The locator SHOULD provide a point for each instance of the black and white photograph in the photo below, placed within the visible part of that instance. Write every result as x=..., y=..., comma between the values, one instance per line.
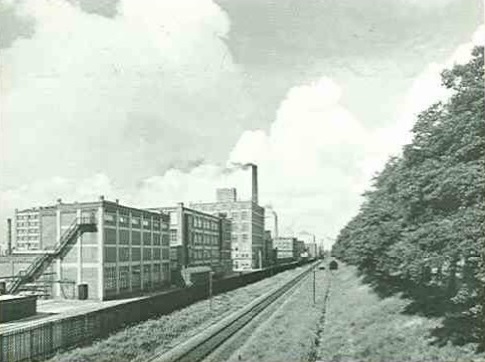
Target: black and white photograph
x=242, y=180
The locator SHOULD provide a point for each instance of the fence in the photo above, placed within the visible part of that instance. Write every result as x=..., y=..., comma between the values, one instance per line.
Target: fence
x=42, y=341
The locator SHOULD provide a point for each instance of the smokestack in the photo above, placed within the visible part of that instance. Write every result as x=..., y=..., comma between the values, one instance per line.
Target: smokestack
x=9, y=236
x=254, y=178
x=275, y=223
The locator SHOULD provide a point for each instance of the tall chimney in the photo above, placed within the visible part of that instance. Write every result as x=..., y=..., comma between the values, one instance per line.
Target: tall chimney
x=254, y=178
x=9, y=236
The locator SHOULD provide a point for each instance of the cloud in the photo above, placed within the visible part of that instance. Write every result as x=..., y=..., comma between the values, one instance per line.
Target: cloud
x=124, y=95
x=103, y=94
x=300, y=164
x=425, y=91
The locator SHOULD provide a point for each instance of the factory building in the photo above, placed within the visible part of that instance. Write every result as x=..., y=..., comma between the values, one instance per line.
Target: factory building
x=199, y=242
x=312, y=250
x=269, y=253
x=247, y=224
x=287, y=249
x=271, y=221
x=108, y=249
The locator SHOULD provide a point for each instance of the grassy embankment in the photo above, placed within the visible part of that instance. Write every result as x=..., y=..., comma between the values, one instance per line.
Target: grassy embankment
x=360, y=326
x=138, y=342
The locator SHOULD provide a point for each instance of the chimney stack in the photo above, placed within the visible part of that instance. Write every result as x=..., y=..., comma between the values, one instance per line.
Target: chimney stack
x=254, y=179
x=9, y=236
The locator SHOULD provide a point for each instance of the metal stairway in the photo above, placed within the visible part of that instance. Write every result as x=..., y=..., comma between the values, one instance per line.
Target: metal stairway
x=40, y=264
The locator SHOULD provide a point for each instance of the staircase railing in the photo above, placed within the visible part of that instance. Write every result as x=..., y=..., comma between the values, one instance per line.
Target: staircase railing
x=78, y=224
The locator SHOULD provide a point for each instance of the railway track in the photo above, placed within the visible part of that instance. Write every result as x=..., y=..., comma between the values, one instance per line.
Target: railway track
x=205, y=343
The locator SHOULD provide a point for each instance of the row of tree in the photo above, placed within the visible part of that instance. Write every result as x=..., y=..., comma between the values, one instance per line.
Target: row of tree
x=421, y=228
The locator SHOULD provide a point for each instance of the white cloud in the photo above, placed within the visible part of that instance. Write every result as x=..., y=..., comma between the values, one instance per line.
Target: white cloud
x=89, y=93
x=424, y=92
x=313, y=162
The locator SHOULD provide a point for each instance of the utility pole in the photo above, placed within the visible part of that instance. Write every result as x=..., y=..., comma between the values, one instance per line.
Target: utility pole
x=314, y=297
x=210, y=291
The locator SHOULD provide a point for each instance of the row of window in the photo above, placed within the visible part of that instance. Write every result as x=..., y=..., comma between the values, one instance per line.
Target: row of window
x=27, y=216
x=203, y=239
x=152, y=275
x=136, y=221
x=200, y=222
x=243, y=215
x=149, y=254
x=27, y=238
x=203, y=254
x=124, y=238
x=34, y=223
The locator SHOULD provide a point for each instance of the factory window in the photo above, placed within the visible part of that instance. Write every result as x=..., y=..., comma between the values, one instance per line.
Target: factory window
x=156, y=239
x=146, y=224
x=124, y=254
x=135, y=222
x=147, y=254
x=147, y=277
x=135, y=238
x=110, y=278
x=245, y=237
x=156, y=225
x=124, y=237
x=165, y=240
x=147, y=239
x=110, y=254
x=124, y=277
x=109, y=218
x=123, y=220
x=135, y=254
x=173, y=236
x=156, y=254
x=165, y=253
x=109, y=236
x=135, y=276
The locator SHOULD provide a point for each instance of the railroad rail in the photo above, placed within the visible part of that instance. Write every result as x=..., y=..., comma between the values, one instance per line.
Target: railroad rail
x=201, y=345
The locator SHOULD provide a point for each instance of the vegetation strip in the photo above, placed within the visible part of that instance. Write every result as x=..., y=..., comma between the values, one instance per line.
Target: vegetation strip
x=313, y=355
x=198, y=346
x=420, y=230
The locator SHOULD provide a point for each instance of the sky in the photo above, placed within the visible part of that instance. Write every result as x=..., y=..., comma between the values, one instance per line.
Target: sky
x=154, y=102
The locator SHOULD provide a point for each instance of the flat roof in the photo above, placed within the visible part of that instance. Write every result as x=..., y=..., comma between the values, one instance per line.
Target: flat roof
x=13, y=296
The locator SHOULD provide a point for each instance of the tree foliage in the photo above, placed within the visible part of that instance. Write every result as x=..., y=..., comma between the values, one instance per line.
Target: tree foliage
x=421, y=227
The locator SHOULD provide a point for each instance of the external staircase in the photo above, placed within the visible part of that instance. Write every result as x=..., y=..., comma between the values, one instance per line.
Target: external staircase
x=41, y=263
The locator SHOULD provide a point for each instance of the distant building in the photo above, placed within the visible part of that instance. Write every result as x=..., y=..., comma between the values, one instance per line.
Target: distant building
x=286, y=249
x=198, y=239
x=312, y=249
x=269, y=254
x=226, y=195
x=247, y=224
x=271, y=221
x=301, y=249
x=247, y=231
x=116, y=250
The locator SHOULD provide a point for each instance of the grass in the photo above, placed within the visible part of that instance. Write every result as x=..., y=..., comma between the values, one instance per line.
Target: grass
x=138, y=342
x=360, y=326
x=290, y=333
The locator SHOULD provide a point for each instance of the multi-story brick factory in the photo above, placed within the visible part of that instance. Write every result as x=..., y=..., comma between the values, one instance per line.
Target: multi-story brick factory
x=100, y=249
x=247, y=224
x=199, y=242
